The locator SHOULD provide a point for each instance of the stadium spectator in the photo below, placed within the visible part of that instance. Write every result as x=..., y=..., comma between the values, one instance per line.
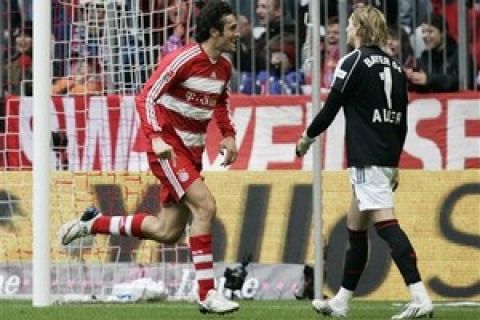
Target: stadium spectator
x=400, y=47
x=88, y=38
x=410, y=17
x=274, y=20
x=281, y=76
x=438, y=67
x=245, y=34
x=19, y=70
x=177, y=17
x=175, y=41
x=376, y=127
x=189, y=88
x=84, y=79
x=331, y=51
x=95, y=34
x=449, y=10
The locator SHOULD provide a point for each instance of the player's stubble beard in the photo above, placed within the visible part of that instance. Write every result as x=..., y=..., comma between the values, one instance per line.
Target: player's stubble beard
x=230, y=47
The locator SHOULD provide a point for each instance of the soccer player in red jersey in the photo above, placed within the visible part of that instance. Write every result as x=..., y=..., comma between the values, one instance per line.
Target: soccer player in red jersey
x=189, y=88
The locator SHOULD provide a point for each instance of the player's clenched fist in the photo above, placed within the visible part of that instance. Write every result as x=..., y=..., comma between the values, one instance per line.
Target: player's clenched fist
x=303, y=145
x=228, y=148
x=163, y=150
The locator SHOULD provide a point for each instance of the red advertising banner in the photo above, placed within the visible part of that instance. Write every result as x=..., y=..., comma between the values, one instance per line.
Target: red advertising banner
x=103, y=134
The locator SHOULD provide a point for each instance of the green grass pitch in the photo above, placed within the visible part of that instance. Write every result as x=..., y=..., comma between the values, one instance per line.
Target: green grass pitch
x=249, y=310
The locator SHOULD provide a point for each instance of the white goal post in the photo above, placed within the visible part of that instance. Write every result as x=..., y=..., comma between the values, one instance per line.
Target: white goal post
x=317, y=197
x=113, y=66
x=41, y=160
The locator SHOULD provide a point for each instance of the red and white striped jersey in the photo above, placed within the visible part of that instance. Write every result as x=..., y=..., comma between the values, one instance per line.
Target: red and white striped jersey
x=184, y=93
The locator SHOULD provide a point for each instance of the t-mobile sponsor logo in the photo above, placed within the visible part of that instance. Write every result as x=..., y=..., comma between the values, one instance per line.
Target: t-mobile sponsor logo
x=9, y=284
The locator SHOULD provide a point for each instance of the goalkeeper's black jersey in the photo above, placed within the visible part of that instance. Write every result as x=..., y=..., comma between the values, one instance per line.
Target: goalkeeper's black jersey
x=373, y=89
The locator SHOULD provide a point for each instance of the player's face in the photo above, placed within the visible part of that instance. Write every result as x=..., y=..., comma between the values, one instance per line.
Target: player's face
x=227, y=42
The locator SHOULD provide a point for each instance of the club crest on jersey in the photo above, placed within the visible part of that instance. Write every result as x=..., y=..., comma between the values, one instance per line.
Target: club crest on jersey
x=213, y=75
x=183, y=175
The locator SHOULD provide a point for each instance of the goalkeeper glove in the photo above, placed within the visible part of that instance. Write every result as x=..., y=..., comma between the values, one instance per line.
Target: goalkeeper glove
x=303, y=145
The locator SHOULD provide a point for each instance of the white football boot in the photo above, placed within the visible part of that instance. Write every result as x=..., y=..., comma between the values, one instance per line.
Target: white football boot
x=414, y=310
x=215, y=302
x=329, y=308
x=78, y=228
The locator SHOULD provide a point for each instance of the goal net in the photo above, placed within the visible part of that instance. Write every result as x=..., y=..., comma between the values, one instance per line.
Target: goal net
x=102, y=52
x=112, y=46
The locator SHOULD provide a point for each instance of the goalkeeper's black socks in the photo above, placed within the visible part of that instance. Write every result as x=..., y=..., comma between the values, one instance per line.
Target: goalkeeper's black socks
x=402, y=251
x=355, y=259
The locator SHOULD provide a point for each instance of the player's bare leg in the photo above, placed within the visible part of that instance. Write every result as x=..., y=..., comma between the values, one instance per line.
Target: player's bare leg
x=202, y=205
x=168, y=226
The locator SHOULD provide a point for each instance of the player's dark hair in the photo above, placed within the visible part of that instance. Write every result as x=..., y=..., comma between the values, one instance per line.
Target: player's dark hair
x=212, y=16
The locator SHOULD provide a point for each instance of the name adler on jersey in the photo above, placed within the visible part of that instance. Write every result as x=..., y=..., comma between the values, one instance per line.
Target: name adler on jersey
x=384, y=115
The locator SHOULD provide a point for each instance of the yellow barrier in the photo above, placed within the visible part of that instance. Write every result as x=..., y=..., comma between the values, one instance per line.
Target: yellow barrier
x=440, y=211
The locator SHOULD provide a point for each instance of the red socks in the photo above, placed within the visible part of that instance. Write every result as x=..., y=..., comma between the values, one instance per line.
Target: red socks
x=201, y=247
x=119, y=225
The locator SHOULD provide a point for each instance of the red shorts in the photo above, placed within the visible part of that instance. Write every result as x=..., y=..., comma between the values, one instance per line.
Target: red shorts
x=175, y=180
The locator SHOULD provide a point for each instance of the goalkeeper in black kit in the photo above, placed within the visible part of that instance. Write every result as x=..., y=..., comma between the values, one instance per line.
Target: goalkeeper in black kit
x=372, y=88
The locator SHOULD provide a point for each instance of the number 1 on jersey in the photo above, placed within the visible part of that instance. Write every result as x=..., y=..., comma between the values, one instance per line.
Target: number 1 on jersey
x=386, y=76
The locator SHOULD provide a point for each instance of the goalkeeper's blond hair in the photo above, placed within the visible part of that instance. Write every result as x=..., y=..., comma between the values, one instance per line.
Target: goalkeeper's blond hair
x=371, y=26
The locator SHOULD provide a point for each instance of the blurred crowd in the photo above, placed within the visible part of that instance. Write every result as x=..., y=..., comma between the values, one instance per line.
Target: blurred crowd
x=98, y=49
